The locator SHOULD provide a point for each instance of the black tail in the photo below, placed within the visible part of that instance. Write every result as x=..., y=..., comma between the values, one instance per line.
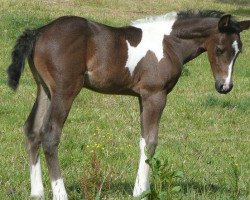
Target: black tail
x=22, y=50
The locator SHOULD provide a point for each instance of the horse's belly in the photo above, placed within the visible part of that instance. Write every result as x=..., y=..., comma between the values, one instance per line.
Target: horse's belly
x=106, y=82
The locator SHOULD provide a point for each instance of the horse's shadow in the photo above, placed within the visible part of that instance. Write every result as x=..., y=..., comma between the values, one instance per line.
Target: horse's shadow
x=241, y=12
x=126, y=188
x=199, y=188
x=237, y=2
x=242, y=105
x=123, y=188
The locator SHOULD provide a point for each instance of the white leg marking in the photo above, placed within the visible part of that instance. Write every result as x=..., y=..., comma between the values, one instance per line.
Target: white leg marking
x=153, y=31
x=58, y=189
x=142, y=179
x=37, y=190
x=228, y=80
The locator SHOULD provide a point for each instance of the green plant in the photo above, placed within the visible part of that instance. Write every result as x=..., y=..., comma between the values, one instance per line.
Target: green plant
x=96, y=180
x=163, y=178
x=236, y=177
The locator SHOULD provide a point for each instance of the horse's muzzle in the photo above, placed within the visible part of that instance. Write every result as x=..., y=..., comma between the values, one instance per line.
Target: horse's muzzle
x=223, y=88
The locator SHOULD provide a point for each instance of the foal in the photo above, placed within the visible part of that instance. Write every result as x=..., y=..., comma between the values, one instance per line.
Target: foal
x=144, y=60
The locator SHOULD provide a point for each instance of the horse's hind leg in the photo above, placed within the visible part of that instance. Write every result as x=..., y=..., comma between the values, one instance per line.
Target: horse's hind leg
x=32, y=130
x=61, y=101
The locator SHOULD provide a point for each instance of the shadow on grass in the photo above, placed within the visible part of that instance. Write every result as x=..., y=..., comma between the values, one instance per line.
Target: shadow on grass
x=199, y=188
x=75, y=188
x=235, y=2
x=191, y=186
x=244, y=10
x=123, y=188
x=242, y=105
x=241, y=12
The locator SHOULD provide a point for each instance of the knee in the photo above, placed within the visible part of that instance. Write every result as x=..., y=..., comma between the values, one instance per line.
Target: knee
x=50, y=144
x=151, y=144
x=50, y=140
x=31, y=132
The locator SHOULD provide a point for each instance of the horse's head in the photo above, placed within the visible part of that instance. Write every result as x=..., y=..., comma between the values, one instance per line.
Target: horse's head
x=223, y=47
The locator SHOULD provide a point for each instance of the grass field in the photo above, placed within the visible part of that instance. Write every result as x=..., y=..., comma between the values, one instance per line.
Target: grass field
x=204, y=134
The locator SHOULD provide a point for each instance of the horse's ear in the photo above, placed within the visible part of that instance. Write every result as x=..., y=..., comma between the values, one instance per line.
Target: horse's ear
x=244, y=25
x=224, y=23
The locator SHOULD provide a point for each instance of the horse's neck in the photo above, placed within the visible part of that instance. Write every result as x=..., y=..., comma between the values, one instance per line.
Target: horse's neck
x=185, y=50
x=189, y=36
x=191, y=49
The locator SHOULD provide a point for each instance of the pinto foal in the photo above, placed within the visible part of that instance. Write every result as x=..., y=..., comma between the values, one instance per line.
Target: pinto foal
x=144, y=60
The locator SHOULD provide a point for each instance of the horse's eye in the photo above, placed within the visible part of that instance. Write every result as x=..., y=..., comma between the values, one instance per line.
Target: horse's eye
x=218, y=51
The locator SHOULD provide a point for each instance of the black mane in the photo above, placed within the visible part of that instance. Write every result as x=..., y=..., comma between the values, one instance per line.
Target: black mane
x=199, y=14
x=191, y=14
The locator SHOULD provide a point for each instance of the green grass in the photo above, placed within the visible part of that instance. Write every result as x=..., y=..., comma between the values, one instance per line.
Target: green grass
x=204, y=134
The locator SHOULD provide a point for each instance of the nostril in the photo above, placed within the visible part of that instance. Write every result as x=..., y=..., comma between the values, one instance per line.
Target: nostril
x=221, y=87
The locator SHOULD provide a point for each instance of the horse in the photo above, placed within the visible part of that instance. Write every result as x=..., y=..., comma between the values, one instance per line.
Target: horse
x=144, y=59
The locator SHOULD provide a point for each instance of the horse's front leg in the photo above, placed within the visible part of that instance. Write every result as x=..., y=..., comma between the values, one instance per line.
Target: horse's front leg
x=151, y=107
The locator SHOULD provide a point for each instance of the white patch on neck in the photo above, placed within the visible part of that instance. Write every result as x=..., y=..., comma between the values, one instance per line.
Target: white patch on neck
x=58, y=189
x=153, y=31
x=37, y=190
x=230, y=67
x=142, y=179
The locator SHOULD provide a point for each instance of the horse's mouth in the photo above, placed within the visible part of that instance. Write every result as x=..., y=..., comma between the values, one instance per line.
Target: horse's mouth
x=223, y=88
